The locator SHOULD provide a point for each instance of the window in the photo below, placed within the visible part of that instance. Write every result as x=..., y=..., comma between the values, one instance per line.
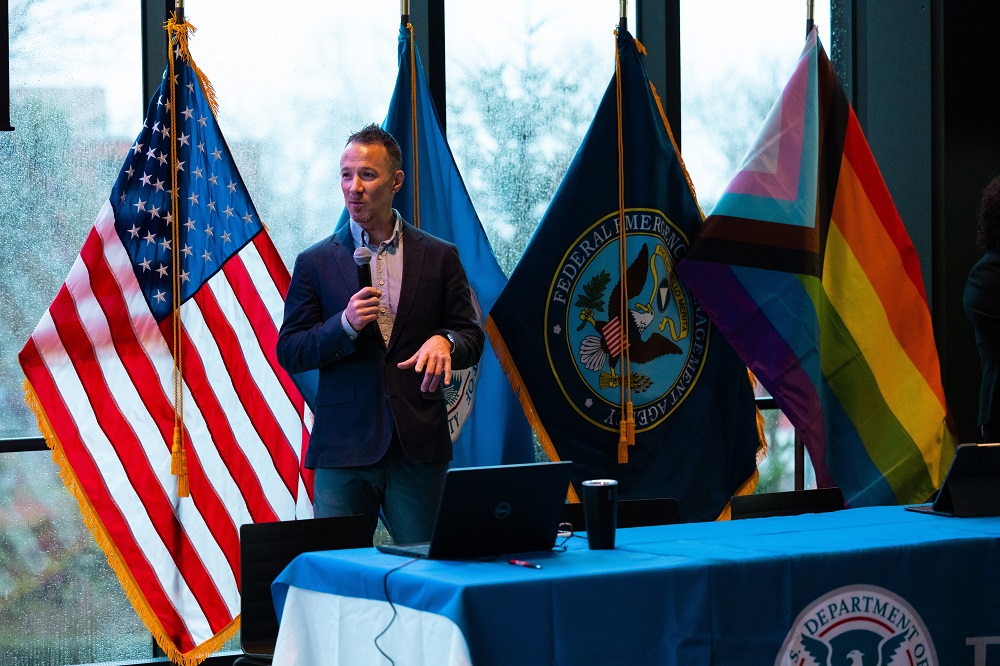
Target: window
x=76, y=101
x=290, y=92
x=522, y=92
x=292, y=86
x=730, y=77
x=76, y=98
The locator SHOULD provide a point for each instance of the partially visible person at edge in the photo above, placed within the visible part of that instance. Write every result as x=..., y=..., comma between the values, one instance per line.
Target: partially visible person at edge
x=381, y=439
x=981, y=301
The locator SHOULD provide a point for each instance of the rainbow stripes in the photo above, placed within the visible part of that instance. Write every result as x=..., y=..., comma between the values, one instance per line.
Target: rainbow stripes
x=806, y=268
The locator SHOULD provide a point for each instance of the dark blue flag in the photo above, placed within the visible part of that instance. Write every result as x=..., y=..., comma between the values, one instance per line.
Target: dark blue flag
x=593, y=319
x=487, y=424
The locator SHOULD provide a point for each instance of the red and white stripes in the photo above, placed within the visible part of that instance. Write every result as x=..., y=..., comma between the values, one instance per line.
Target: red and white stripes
x=102, y=371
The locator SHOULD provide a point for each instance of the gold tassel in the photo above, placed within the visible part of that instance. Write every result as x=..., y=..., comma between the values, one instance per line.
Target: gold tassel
x=181, y=32
x=630, y=423
x=178, y=464
x=622, y=442
x=183, y=489
x=176, y=453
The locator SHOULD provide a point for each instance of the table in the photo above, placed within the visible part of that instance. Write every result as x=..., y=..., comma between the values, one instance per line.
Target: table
x=762, y=591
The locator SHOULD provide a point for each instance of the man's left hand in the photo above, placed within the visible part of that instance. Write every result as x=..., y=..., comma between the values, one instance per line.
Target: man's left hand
x=434, y=360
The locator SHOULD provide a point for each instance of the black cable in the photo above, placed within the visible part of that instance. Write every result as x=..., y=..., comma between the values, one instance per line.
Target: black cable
x=567, y=530
x=385, y=589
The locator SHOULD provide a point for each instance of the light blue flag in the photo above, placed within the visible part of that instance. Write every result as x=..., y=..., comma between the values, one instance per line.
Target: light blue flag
x=487, y=423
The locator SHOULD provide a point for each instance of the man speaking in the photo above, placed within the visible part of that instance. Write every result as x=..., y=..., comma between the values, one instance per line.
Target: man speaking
x=383, y=346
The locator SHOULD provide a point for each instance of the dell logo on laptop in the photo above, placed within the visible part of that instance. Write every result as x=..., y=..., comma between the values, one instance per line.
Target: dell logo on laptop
x=502, y=510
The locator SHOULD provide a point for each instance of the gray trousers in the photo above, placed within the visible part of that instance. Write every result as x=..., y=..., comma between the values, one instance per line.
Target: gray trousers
x=407, y=493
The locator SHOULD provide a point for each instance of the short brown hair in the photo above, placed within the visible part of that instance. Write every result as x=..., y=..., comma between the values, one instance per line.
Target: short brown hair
x=372, y=135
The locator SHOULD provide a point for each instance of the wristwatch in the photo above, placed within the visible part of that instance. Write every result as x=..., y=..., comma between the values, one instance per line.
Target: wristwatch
x=451, y=341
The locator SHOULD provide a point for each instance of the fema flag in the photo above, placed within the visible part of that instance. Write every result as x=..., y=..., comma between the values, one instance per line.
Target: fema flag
x=594, y=312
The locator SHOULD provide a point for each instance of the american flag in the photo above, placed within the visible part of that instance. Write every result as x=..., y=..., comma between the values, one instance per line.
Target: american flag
x=100, y=375
x=614, y=336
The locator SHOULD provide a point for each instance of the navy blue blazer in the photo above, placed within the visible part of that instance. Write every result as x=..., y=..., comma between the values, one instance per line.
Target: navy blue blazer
x=362, y=393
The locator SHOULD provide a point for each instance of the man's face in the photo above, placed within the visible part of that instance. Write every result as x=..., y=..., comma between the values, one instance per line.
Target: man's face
x=368, y=182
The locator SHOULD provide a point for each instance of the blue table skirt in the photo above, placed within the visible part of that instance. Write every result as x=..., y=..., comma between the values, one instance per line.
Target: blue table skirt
x=736, y=592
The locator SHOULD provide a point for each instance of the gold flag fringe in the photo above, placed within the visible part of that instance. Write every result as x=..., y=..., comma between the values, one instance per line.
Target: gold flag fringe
x=114, y=557
x=179, y=33
x=677, y=151
x=514, y=377
x=751, y=483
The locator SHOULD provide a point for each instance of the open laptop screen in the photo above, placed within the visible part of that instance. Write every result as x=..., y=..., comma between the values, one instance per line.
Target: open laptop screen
x=486, y=511
x=972, y=486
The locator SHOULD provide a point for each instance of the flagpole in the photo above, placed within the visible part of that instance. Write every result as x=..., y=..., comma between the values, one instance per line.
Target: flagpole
x=5, y=125
x=178, y=453
x=404, y=12
x=623, y=15
x=798, y=445
x=626, y=427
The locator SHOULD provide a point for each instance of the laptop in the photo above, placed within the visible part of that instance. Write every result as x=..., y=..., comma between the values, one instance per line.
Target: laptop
x=972, y=486
x=487, y=511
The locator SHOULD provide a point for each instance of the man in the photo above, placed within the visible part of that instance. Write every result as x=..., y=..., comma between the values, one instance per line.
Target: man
x=981, y=301
x=381, y=436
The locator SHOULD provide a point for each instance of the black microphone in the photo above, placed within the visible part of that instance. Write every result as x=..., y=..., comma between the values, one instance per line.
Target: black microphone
x=363, y=258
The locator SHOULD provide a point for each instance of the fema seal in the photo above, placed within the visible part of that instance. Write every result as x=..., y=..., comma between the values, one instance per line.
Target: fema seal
x=460, y=393
x=596, y=323
x=858, y=624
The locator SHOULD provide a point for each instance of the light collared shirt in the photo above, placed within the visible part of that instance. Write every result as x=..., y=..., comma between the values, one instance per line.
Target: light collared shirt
x=387, y=274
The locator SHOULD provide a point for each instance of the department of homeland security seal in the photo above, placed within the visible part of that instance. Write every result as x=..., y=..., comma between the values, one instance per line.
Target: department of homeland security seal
x=585, y=333
x=858, y=625
x=460, y=393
